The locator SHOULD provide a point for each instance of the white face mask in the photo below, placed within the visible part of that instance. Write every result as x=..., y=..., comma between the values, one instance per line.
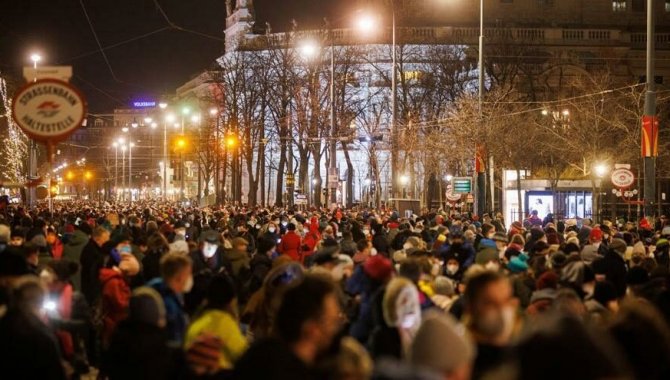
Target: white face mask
x=271, y=230
x=180, y=232
x=209, y=250
x=373, y=252
x=452, y=269
x=189, y=285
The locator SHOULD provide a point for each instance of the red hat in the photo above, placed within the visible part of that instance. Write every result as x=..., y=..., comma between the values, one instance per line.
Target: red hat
x=69, y=229
x=548, y=280
x=596, y=234
x=378, y=268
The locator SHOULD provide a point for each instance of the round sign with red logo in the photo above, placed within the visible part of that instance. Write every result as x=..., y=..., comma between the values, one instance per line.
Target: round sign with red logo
x=48, y=110
x=622, y=178
x=452, y=197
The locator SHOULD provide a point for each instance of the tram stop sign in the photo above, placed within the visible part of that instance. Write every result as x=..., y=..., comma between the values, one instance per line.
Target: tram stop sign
x=48, y=110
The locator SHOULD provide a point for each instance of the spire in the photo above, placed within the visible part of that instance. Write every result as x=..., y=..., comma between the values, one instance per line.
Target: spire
x=239, y=20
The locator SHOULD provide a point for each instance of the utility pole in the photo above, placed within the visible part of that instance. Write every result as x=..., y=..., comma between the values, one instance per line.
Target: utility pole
x=332, y=174
x=649, y=120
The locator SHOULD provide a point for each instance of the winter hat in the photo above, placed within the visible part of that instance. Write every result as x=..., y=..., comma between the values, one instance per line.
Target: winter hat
x=596, y=234
x=147, y=306
x=558, y=259
x=518, y=264
x=619, y=246
x=548, y=280
x=486, y=255
x=536, y=233
x=378, y=268
x=660, y=243
x=665, y=231
x=210, y=237
x=571, y=248
x=501, y=237
x=604, y=292
x=487, y=243
x=637, y=276
x=441, y=344
x=443, y=286
x=129, y=264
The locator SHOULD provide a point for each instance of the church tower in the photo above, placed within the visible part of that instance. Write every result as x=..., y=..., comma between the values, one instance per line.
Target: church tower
x=239, y=20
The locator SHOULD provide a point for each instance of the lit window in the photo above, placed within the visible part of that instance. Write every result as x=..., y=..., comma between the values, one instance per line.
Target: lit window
x=412, y=75
x=619, y=5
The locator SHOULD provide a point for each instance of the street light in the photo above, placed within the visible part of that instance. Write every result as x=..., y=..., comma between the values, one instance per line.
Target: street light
x=213, y=111
x=162, y=105
x=308, y=49
x=600, y=170
x=448, y=177
x=366, y=23
x=35, y=57
x=404, y=180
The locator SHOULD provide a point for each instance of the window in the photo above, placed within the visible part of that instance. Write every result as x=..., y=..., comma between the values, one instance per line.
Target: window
x=638, y=5
x=618, y=5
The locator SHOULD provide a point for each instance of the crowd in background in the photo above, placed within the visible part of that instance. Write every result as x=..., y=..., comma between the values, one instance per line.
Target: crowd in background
x=158, y=290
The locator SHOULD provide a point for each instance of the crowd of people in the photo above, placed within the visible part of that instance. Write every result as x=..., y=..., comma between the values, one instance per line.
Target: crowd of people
x=163, y=291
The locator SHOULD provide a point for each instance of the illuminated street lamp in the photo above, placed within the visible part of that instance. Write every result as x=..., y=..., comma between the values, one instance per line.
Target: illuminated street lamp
x=366, y=23
x=213, y=111
x=448, y=177
x=35, y=57
x=162, y=105
x=404, y=180
x=308, y=49
x=600, y=170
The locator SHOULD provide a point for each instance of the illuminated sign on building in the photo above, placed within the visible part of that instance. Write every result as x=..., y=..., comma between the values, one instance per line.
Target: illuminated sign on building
x=144, y=104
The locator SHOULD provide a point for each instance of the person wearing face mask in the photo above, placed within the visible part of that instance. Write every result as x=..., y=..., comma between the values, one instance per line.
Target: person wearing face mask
x=207, y=261
x=176, y=280
x=271, y=233
x=244, y=233
x=490, y=316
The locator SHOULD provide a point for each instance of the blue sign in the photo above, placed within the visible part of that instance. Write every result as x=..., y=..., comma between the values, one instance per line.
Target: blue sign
x=144, y=104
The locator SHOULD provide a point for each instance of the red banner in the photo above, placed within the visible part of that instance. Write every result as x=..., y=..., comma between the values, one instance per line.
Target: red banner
x=480, y=159
x=649, y=136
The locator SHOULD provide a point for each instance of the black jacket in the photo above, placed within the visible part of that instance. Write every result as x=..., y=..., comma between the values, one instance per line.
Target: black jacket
x=29, y=350
x=92, y=259
x=614, y=268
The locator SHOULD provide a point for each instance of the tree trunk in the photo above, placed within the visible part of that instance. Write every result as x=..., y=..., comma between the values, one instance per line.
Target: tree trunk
x=350, y=177
x=518, y=195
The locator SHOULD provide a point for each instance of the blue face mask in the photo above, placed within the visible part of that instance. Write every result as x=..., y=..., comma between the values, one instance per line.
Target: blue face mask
x=126, y=249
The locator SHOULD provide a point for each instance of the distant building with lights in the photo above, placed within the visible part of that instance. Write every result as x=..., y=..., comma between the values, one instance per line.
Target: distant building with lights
x=585, y=35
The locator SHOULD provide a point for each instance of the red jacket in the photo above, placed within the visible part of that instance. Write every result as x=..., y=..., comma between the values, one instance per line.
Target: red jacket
x=290, y=245
x=115, y=300
x=311, y=239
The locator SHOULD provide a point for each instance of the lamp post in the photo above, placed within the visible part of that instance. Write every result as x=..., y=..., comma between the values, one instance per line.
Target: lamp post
x=130, y=172
x=116, y=168
x=123, y=170
x=169, y=119
x=404, y=180
x=649, y=120
x=600, y=170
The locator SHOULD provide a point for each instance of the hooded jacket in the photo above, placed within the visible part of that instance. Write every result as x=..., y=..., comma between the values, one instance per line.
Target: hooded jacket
x=290, y=245
x=115, y=299
x=73, y=250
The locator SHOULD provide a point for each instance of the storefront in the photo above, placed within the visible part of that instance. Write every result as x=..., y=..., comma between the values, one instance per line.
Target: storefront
x=570, y=199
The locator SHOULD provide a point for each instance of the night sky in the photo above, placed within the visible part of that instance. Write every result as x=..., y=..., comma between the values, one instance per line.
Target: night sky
x=147, y=67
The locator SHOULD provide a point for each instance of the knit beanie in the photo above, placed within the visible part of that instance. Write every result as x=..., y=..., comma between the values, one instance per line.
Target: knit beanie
x=619, y=246
x=486, y=255
x=518, y=264
x=441, y=344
